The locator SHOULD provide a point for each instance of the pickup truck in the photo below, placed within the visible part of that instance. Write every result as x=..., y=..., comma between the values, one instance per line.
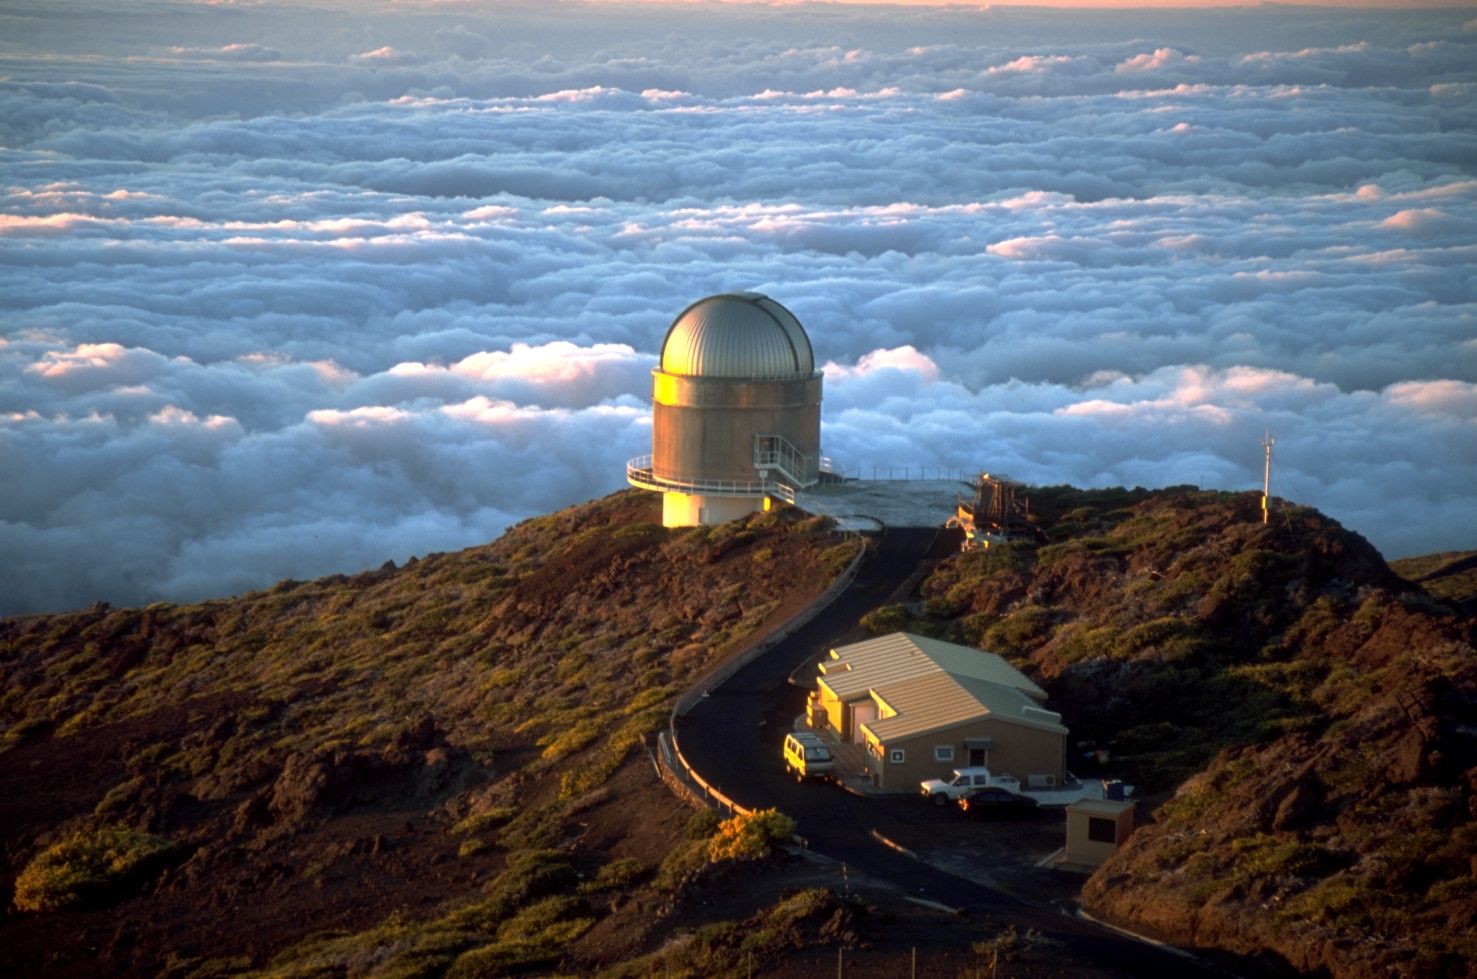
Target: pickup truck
x=961, y=780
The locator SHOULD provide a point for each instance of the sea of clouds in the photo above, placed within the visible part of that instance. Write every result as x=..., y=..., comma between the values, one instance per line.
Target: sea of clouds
x=287, y=291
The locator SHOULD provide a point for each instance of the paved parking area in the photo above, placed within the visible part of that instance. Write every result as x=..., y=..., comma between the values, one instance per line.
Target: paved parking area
x=1002, y=853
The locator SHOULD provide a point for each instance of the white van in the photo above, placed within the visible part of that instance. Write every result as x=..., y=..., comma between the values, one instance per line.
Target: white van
x=806, y=756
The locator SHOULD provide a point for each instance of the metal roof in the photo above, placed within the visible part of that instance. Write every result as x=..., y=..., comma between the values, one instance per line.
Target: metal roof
x=873, y=663
x=930, y=685
x=939, y=701
x=737, y=335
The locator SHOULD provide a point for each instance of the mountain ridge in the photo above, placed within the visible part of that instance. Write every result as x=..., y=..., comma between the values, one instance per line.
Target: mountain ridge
x=467, y=728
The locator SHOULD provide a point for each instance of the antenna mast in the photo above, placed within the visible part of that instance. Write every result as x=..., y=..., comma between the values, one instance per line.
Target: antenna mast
x=1267, y=442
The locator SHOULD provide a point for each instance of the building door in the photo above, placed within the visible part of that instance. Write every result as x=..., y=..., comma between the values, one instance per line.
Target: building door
x=978, y=757
x=861, y=713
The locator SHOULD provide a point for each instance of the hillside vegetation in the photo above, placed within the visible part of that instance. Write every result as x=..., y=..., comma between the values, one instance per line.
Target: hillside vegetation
x=1451, y=575
x=1308, y=712
x=436, y=769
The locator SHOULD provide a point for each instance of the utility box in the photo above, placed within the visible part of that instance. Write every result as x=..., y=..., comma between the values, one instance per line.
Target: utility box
x=1096, y=828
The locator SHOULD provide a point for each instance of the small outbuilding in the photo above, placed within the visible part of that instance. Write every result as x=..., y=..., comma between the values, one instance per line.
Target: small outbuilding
x=921, y=707
x=1096, y=828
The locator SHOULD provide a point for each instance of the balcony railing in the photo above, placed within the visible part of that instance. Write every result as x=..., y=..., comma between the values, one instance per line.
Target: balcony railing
x=781, y=470
x=639, y=473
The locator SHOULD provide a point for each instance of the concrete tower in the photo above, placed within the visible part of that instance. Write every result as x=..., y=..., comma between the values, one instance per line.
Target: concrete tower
x=736, y=412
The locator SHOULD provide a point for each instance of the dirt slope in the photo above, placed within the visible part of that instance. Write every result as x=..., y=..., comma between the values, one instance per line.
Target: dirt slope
x=323, y=754
x=1309, y=711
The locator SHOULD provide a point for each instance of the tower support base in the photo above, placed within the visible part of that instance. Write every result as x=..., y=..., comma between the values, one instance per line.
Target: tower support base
x=692, y=510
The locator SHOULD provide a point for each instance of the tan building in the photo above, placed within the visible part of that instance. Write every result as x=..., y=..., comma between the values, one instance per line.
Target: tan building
x=922, y=707
x=736, y=412
x=1096, y=828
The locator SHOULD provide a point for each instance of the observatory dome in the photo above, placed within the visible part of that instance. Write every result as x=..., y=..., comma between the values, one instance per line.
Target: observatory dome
x=737, y=335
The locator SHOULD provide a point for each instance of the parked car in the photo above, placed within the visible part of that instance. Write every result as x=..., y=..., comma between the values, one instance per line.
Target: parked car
x=960, y=781
x=806, y=756
x=992, y=800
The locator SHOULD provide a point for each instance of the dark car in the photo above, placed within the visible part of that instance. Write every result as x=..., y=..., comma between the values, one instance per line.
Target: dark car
x=993, y=801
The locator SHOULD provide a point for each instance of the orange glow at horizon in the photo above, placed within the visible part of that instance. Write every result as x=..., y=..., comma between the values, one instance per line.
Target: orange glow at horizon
x=1127, y=5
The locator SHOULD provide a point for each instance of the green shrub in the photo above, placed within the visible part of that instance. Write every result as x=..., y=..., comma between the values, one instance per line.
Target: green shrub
x=1173, y=638
x=24, y=731
x=1085, y=642
x=572, y=739
x=652, y=531
x=472, y=847
x=834, y=559
x=534, y=828
x=119, y=797
x=1350, y=902
x=86, y=866
x=888, y=618
x=486, y=819
x=535, y=873
x=651, y=698
x=1265, y=855
x=1021, y=631
x=812, y=525
x=550, y=923
x=750, y=836
x=1454, y=889
x=617, y=873
x=682, y=861
x=702, y=824
x=1053, y=553
x=970, y=569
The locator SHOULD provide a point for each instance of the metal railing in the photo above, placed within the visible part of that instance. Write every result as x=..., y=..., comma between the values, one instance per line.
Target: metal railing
x=778, y=453
x=882, y=473
x=641, y=474
x=670, y=755
x=772, y=453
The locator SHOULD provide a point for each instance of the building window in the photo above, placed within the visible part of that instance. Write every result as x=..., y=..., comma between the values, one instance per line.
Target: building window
x=896, y=756
x=944, y=752
x=1102, y=830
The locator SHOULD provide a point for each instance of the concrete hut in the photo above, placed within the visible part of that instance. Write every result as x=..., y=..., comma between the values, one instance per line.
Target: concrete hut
x=1096, y=828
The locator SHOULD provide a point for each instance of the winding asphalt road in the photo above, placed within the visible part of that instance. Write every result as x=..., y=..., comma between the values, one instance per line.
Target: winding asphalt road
x=733, y=738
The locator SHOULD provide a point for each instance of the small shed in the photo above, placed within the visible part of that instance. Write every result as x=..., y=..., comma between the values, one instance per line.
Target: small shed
x=1096, y=828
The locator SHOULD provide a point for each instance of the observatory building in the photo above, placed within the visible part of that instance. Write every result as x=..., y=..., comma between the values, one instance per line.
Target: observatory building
x=736, y=412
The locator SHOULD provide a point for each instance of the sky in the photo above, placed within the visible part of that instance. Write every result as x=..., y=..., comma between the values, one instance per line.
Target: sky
x=294, y=290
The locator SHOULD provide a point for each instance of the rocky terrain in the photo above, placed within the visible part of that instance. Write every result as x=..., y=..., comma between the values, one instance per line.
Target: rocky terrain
x=1307, y=713
x=1451, y=575
x=438, y=769
x=426, y=751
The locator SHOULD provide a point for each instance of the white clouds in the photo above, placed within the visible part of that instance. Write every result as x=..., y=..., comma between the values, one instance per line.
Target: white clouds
x=294, y=300
x=96, y=365
x=1425, y=220
x=229, y=52
x=1453, y=400
x=1155, y=60
x=388, y=56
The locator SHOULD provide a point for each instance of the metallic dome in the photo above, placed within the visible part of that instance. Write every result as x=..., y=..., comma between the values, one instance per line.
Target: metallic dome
x=737, y=335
